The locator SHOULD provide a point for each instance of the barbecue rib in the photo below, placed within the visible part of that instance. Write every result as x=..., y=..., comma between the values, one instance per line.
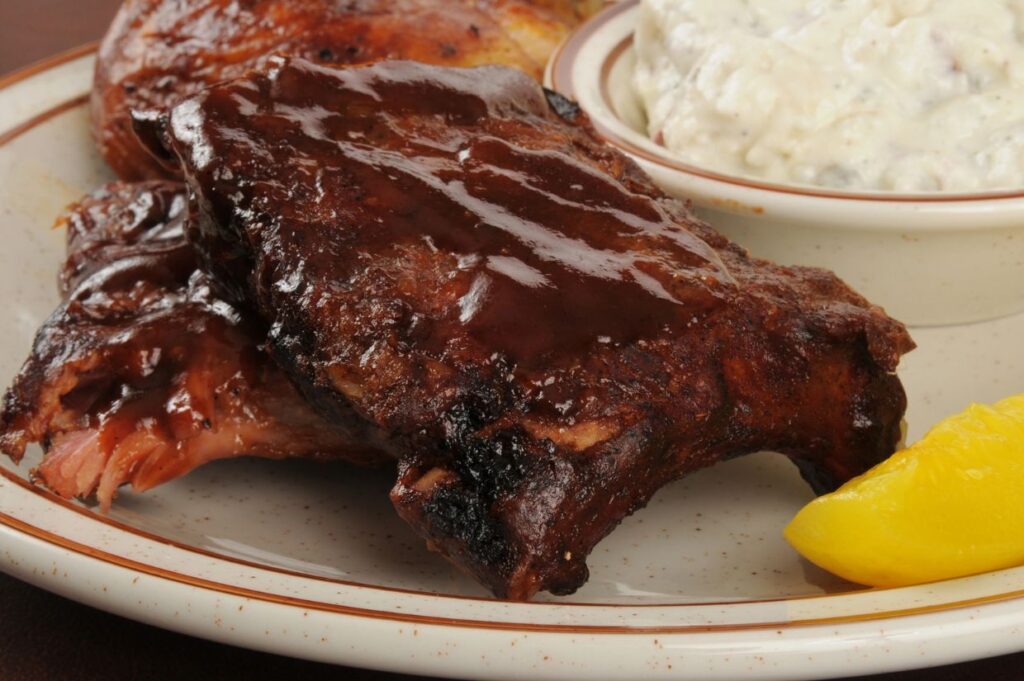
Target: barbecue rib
x=451, y=257
x=158, y=51
x=143, y=372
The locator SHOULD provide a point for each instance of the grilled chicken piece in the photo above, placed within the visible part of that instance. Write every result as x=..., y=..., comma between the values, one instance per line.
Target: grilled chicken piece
x=451, y=257
x=158, y=51
x=143, y=372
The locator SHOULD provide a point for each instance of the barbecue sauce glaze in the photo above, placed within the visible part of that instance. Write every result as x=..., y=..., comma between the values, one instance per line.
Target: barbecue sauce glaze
x=398, y=153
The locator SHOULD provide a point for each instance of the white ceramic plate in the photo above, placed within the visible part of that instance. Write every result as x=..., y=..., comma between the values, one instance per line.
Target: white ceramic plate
x=310, y=561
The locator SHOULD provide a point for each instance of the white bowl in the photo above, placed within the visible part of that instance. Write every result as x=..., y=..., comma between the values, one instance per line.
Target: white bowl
x=928, y=259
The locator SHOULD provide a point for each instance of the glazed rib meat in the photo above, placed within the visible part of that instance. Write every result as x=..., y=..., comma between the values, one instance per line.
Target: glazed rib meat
x=144, y=372
x=158, y=51
x=451, y=258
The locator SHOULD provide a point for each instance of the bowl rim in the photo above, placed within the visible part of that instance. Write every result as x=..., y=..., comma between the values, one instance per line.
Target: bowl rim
x=561, y=78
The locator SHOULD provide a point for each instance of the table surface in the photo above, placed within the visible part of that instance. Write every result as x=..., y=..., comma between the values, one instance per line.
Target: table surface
x=48, y=637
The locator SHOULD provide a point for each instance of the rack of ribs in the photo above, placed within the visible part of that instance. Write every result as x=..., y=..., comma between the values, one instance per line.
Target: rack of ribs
x=452, y=260
x=143, y=372
x=158, y=51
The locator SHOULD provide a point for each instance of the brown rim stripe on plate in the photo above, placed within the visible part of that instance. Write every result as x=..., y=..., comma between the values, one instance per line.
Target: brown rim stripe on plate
x=11, y=134
x=278, y=599
x=46, y=64
x=138, y=532
x=50, y=538
x=562, y=81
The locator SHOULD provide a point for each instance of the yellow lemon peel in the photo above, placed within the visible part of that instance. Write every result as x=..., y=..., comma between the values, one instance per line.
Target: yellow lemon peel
x=949, y=506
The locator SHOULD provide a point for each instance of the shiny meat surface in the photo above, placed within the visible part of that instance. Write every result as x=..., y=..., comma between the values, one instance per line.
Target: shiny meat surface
x=452, y=258
x=144, y=372
x=158, y=51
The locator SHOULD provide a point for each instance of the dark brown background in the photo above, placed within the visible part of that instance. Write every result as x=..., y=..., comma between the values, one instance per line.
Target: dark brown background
x=49, y=638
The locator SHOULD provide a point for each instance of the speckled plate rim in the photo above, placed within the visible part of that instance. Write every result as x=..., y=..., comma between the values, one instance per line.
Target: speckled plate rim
x=76, y=553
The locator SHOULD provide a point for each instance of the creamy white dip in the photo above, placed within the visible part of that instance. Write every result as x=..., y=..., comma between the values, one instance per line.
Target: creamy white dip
x=898, y=95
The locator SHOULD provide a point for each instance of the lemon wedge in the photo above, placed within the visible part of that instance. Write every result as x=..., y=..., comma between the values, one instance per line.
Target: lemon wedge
x=949, y=506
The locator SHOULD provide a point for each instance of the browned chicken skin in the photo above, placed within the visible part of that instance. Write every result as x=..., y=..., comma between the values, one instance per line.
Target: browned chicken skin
x=452, y=259
x=158, y=51
x=144, y=372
